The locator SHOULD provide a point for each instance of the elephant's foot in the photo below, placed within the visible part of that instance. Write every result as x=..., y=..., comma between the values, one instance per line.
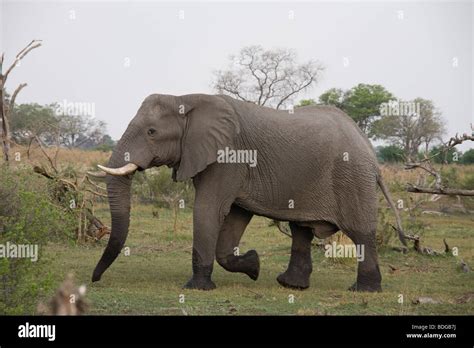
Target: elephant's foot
x=201, y=279
x=369, y=281
x=366, y=287
x=248, y=263
x=294, y=280
x=199, y=283
x=369, y=278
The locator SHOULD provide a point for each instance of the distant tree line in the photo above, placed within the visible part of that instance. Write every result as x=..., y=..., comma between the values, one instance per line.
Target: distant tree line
x=30, y=122
x=394, y=154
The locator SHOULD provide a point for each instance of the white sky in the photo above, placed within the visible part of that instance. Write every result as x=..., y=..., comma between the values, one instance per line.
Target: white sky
x=82, y=59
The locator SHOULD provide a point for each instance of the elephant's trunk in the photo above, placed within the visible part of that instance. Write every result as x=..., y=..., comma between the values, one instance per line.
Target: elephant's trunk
x=118, y=189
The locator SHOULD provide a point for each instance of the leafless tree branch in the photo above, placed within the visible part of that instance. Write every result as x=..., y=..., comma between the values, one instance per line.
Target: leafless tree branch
x=31, y=46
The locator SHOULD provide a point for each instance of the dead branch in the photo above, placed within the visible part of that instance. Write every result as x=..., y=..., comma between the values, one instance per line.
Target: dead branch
x=42, y=171
x=96, y=193
x=456, y=140
x=14, y=95
x=50, y=160
x=426, y=165
x=439, y=191
x=94, y=184
x=31, y=46
x=446, y=246
x=87, y=220
x=427, y=250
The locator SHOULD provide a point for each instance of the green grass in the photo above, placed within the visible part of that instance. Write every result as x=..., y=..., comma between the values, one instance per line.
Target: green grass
x=150, y=280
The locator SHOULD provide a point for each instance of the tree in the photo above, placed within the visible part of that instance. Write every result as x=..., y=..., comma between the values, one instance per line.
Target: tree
x=43, y=124
x=335, y=97
x=33, y=120
x=389, y=154
x=410, y=130
x=306, y=102
x=106, y=144
x=6, y=107
x=266, y=77
x=468, y=157
x=80, y=131
x=362, y=102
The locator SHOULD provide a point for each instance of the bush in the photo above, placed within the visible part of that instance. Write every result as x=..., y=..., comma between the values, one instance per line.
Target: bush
x=389, y=154
x=27, y=217
x=468, y=182
x=450, y=177
x=157, y=186
x=468, y=157
x=451, y=156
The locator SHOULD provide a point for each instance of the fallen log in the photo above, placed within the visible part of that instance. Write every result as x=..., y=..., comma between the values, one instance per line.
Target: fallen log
x=439, y=191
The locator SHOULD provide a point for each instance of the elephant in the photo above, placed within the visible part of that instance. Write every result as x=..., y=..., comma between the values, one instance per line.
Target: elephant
x=314, y=168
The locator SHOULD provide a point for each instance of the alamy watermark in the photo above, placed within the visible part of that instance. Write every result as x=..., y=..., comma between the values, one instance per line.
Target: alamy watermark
x=37, y=331
x=335, y=250
x=237, y=156
x=400, y=108
x=69, y=108
x=23, y=251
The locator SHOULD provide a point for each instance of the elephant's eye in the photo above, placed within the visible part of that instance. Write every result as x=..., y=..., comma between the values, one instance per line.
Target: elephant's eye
x=151, y=131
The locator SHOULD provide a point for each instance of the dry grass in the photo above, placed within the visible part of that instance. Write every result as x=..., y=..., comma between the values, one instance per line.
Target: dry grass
x=77, y=158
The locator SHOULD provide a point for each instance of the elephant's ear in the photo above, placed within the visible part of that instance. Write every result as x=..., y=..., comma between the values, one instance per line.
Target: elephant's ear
x=211, y=126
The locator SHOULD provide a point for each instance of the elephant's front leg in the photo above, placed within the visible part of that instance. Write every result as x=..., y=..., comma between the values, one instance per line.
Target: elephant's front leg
x=229, y=238
x=206, y=227
x=212, y=203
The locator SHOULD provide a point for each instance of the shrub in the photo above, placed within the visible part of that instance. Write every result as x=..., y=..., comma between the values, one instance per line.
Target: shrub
x=27, y=217
x=157, y=186
x=450, y=177
x=468, y=157
x=389, y=154
x=450, y=156
x=468, y=182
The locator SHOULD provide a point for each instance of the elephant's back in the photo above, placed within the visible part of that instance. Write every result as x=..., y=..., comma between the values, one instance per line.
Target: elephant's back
x=331, y=127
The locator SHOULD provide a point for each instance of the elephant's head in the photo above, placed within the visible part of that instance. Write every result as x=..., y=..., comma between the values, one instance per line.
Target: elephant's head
x=183, y=132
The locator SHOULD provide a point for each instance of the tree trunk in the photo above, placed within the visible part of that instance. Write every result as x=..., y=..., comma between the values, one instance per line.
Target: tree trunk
x=5, y=124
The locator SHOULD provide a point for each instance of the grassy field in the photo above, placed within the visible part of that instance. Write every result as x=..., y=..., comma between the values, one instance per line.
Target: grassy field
x=150, y=279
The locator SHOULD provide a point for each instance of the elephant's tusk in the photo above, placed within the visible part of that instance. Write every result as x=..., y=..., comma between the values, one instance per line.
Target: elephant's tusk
x=97, y=174
x=125, y=170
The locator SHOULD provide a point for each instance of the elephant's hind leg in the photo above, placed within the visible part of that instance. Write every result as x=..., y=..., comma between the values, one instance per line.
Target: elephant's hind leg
x=229, y=238
x=368, y=272
x=300, y=267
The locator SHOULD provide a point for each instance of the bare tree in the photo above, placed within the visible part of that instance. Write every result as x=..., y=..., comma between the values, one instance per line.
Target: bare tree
x=5, y=109
x=266, y=77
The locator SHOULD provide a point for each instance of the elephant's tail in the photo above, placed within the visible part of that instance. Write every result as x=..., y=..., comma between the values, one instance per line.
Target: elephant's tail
x=386, y=193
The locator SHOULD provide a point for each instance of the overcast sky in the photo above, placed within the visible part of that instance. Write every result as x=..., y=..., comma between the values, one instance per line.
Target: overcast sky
x=410, y=48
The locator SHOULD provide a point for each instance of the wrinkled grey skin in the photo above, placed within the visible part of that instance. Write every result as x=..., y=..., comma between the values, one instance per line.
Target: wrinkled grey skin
x=316, y=157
